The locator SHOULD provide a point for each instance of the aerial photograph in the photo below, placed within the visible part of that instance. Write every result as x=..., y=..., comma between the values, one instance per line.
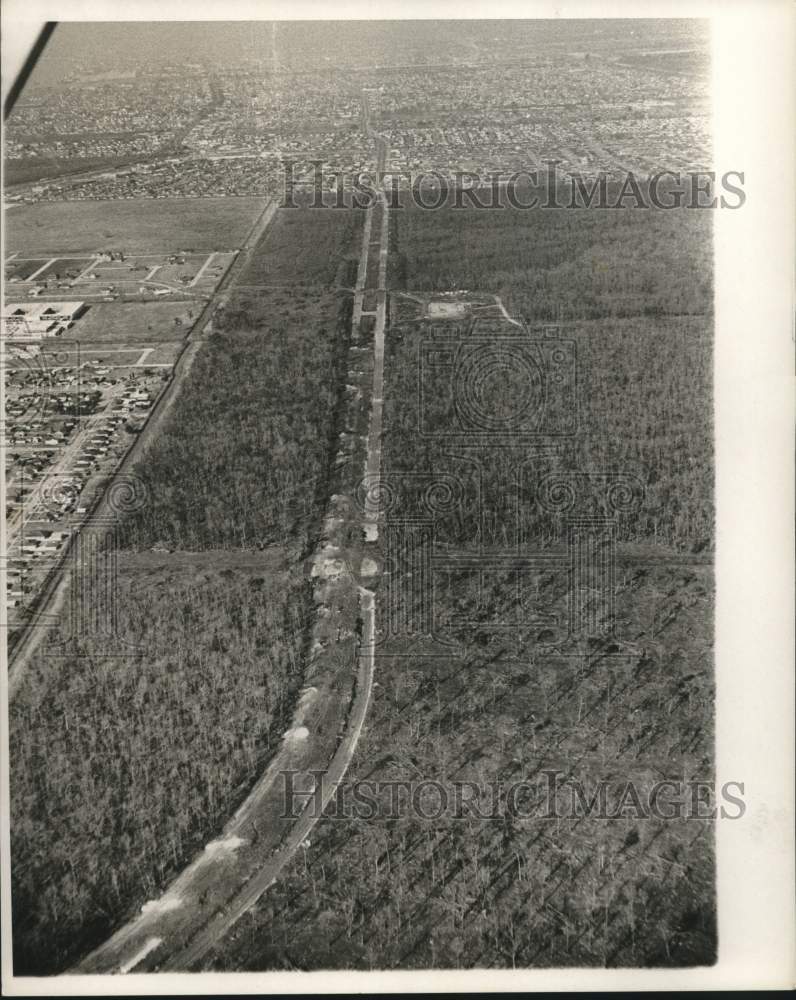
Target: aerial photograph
x=359, y=496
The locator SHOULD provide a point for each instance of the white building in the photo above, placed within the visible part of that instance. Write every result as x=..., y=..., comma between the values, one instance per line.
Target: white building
x=25, y=321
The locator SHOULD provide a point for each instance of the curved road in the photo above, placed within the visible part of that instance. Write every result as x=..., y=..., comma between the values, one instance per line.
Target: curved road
x=248, y=896
x=177, y=930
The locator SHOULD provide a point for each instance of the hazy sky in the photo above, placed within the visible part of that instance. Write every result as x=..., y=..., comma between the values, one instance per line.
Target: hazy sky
x=307, y=45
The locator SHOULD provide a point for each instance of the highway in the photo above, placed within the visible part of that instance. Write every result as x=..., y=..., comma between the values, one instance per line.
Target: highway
x=373, y=463
x=176, y=931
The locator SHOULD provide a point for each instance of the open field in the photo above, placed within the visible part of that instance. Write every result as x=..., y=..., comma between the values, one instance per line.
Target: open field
x=139, y=276
x=123, y=323
x=160, y=354
x=176, y=272
x=128, y=356
x=20, y=270
x=681, y=63
x=35, y=168
x=133, y=225
x=76, y=354
x=60, y=266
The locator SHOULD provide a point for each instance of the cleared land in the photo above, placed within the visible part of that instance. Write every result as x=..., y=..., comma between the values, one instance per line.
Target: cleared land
x=141, y=276
x=60, y=266
x=31, y=169
x=123, y=323
x=143, y=225
x=20, y=270
x=129, y=356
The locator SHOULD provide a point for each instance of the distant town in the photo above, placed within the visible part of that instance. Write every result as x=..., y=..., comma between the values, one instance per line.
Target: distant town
x=213, y=130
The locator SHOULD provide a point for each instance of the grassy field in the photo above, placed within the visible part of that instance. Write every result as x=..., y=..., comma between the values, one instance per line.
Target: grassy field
x=123, y=359
x=72, y=354
x=122, y=323
x=132, y=225
x=162, y=354
x=22, y=269
x=31, y=169
x=59, y=267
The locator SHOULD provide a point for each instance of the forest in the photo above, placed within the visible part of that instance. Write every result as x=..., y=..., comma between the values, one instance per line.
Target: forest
x=305, y=248
x=243, y=463
x=642, y=392
x=130, y=752
x=632, y=293
x=380, y=890
x=122, y=767
x=562, y=264
x=239, y=478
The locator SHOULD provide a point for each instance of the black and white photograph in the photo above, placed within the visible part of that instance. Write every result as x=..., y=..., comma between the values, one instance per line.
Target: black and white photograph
x=390, y=411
